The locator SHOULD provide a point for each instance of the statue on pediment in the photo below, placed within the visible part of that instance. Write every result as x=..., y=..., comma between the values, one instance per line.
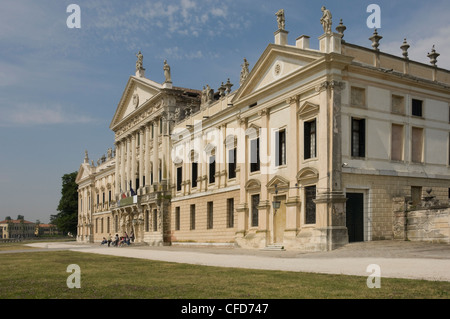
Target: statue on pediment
x=326, y=20
x=140, y=61
x=167, y=72
x=244, y=71
x=280, y=19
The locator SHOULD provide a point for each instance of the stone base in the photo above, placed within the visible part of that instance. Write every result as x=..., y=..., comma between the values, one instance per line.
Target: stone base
x=316, y=239
x=252, y=240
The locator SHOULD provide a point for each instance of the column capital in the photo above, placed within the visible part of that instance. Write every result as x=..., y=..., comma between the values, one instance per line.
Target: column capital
x=293, y=99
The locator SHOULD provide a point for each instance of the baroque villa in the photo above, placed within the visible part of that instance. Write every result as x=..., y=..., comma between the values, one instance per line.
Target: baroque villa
x=310, y=151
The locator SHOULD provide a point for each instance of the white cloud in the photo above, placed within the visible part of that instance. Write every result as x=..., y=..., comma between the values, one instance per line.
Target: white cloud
x=33, y=114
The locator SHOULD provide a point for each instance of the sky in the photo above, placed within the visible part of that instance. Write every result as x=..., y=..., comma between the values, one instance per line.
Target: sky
x=60, y=86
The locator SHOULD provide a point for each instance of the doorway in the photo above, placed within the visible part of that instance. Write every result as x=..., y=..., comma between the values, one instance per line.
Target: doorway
x=355, y=216
x=279, y=220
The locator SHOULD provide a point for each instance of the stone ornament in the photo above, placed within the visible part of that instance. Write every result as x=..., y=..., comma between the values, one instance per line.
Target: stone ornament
x=140, y=61
x=244, y=71
x=326, y=20
x=433, y=56
x=405, y=46
x=167, y=75
x=136, y=100
x=280, y=19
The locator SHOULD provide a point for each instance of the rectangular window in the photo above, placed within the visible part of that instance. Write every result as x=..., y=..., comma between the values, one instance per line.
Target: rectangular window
x=155, y=220
x=109, y=196
x=416, y=195
x=310, y=206
x=192, y=216
x=232, y=163
x=177, y=218
x=280, y=148
x=255, y=213
x=230, y=212
x=254, y=155
x=310, y=139
x=398, y=104
x=357, y=96
x=194, y=174
x=209, y=217
x=108, y=225
x=179, y=177
x=212, y=169
x=397, y=142
x=417, y=145
x=416, y=107
x=358, y=137
x=147, y=221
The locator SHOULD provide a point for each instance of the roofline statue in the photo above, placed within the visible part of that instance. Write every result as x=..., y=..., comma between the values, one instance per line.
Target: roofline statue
x=280, y=19
x=326, y=20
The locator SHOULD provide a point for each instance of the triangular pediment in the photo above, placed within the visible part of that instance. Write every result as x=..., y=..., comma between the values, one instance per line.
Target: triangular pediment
x=308, y=109
x=83, y=173
x=275, y=64
x=137, y=92
x=278, y=183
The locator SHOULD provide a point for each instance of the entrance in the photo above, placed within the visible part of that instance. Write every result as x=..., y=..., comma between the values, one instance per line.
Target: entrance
x=355, y=216
x=279, y=221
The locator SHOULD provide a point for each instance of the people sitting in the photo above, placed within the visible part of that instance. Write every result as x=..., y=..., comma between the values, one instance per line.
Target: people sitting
x=104, y=241
x=116, y=241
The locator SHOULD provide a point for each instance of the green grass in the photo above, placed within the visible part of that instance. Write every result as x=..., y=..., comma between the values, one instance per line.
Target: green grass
x=43, y=275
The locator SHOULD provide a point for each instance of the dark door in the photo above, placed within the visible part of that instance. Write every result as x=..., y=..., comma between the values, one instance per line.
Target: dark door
x=355, y=216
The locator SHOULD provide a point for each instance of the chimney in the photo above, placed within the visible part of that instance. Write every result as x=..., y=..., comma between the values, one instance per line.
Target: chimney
x=302, y=42
x=281, y=37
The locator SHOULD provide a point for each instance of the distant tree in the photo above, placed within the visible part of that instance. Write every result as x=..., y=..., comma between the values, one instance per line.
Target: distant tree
x=67, y=218
x=8, y=218
x=20, y=217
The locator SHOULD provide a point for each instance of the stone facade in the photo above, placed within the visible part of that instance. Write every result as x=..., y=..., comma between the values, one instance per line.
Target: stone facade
x=309, y=152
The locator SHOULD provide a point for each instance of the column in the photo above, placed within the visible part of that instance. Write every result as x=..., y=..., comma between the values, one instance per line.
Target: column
x=292, y=154
x=155, y=151
x=164, y=157
x=265, y=219
x=147, y=154
x=242, y=162
x=141, y=156
x=133, y=160
x=117, y=170
x=330, y=199
x=122, y=186
x=128, y=164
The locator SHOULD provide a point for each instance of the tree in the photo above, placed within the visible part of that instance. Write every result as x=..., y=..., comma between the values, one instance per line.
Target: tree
x=67, y=218
x=20, y=217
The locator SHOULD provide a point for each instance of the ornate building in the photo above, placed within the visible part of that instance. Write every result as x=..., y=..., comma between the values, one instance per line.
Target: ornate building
x=307, y=153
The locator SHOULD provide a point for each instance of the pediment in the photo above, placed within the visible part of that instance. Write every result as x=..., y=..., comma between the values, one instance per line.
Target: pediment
x=278, y=183
x=83, y=173
x=275, y=64
x=137, y=92
x=307, y=174
x=308, y=109
x=253, y=184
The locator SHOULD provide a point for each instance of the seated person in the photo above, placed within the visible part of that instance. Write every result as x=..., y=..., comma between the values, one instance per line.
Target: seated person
x=104, y=241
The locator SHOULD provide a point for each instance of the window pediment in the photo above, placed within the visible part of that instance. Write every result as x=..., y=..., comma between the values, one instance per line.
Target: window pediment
x=253, y=184
x=307, y=174
x=308, y=109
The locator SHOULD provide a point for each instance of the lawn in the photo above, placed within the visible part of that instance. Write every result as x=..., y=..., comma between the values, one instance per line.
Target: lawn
x=43, y=275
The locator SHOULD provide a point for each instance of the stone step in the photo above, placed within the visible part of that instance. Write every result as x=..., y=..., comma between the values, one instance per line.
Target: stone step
x=275, y=247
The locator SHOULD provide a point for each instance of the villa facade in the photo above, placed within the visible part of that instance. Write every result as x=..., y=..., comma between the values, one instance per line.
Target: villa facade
x=309, y=151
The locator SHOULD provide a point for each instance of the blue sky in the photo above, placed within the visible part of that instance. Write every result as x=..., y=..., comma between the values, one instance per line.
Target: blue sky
x=59, y=87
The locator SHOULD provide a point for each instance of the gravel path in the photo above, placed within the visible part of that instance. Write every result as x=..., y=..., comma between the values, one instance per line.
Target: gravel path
x=396, y=259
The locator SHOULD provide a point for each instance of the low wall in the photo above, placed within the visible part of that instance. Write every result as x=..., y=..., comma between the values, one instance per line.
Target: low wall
x=427, y=225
